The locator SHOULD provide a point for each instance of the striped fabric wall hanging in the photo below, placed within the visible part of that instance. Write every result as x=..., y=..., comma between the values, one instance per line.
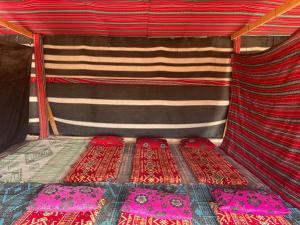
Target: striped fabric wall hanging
x=249, y=44
x=263, y=131
x=138, y=86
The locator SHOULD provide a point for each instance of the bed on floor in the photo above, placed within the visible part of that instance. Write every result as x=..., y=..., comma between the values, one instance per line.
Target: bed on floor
x=208, y=165
x=154, y=163
x=16, y=196
x=100, y=162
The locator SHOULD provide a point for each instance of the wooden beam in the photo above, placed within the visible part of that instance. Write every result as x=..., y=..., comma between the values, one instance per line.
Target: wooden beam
x=16, y=28
x=279, y=10
x=51, y=120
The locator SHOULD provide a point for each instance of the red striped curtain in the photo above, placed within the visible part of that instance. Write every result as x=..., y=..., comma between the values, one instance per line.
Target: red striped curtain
x=263, y=130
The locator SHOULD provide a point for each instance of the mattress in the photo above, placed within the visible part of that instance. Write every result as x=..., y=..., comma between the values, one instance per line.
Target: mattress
x=98, y=163
x=154, y=164
x=209, y=166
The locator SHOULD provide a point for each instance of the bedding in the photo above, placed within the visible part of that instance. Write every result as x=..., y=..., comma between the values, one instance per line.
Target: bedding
x=56, y=197
x=245, y=201
x=208, y=165
x=100, y=162
x=226, y=218
x=153, y=203
x=130, y=219
x=153, y=163
x=107, y=141
x=59, y=218
x=149, y=206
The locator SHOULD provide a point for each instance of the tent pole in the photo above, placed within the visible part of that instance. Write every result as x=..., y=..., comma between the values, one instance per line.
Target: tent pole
x=43, y=134
x=51, y=120
x=279, y=10
x=16, y=28
x=41, y=92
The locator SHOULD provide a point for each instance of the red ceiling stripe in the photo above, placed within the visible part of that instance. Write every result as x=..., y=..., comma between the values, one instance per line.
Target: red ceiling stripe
x=144, y=18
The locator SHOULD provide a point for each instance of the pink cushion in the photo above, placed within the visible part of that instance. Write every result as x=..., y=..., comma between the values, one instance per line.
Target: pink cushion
x=242, y=201
x=151, y=143
x=107, y=141
x=152, y=203
x=197, y=143
x=55, y=197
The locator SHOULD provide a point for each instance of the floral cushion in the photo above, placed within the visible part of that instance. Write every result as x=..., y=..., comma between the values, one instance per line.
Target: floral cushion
x=242, y=201
x=197, y=143
x=55, y=197
x=151, y=143
x=107, y=141
x=59, y=218
x=153, y=203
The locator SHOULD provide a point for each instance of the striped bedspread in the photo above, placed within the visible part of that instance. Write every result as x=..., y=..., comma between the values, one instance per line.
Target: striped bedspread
x=116, y=83
x=263, y=132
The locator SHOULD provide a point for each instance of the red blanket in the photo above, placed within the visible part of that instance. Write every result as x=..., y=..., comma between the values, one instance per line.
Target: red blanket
x=59, y=218
x=154, y=164
x=97, y=163
x=225, y=218
x=208, y=165
x=130, y=219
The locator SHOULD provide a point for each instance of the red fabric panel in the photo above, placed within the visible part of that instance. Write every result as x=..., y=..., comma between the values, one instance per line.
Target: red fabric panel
x=146, y=18
x=134, y=81
x=263, y=130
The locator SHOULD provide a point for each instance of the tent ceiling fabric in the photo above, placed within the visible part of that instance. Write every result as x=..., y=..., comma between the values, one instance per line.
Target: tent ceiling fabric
x=146, y=18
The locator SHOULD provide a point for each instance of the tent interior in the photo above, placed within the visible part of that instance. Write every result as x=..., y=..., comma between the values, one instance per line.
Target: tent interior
x=150, y=112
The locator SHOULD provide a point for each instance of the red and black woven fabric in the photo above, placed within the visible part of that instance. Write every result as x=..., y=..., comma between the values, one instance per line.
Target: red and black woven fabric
x=264, y=121
x=160, y=18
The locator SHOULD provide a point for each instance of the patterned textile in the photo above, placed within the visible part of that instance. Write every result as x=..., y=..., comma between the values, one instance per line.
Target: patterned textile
x=154, y=165
x=14, y=198
x=188, y=96
x=131, y=219
x=151, y=143
x=244, y=201
x=153, y=203
x=210, y=167
x=107, y=141
x=225, y=218
x=97, y=163
x=59, y=218
x=41, y=161
x=263, y=129
x=155, y=18
x=55, y=197
x=197, y=143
